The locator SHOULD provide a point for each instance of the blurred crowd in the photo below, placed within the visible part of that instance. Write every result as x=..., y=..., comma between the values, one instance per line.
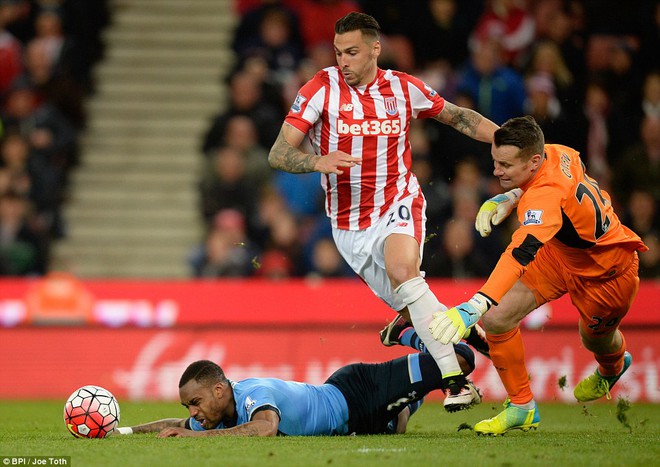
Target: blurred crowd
x=47, y=51
x=587, y=70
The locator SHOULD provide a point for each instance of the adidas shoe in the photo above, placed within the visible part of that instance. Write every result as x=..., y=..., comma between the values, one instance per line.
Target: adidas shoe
x=460, y=396
x=596, y=386
x=390, y=334
x=511, y=418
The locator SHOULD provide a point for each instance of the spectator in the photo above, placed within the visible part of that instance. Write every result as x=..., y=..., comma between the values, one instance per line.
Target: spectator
x=564, y=26
x=651, y=95
x=314, y=18
x=284, y=242
x=457, y=259
x=326, y=262
x=226, y=185
x=624, y=84
x=34, y=180
x=227, y=251
x=251, y=15
x=509, y=23
x=241, y=134
x=269, y=206
x=639, y=167
x=11, y=63
x=543, y=105
x=592, y=133
x=641, y=214
x=49, y=131
x=274, y=38
x=275, y=265
x=57, y=88
x=439, y=34
x=21, y=249
x=497, y=90
x=246, y=98
x=546, y=59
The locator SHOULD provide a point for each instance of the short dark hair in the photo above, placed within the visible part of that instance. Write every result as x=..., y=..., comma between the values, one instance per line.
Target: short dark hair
x=204, y=372
x=355, y=21
x=523, y=133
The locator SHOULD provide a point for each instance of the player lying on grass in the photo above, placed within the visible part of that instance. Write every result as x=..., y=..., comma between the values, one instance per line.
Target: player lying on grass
x=569, y=241
x=360, y=398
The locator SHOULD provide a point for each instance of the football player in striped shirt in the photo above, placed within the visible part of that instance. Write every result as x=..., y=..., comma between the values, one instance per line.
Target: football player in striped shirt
x=357, y=118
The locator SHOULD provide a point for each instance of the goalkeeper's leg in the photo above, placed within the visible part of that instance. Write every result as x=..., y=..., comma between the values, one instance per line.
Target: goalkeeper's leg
x=602, y=306
x=508, y=355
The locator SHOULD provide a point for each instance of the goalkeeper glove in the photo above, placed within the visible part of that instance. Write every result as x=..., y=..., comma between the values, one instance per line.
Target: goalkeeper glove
x=495, y=210
x=450, y=326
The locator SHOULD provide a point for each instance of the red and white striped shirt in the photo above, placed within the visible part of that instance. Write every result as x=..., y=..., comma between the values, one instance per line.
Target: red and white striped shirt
x=371, y=122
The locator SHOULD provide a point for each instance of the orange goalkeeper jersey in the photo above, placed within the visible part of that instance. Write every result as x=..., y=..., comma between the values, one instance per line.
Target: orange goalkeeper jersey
x=565, y=209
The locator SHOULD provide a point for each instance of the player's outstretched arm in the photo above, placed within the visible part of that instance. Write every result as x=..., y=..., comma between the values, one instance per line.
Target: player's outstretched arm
x=285, y=155
x=151, y=427
x=468, y=122
x=263, y=423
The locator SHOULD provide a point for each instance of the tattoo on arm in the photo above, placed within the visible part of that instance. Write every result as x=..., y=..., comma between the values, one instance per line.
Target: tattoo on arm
x=464, y=120
x=248, y=429
x=159, y=425
x=285, y=157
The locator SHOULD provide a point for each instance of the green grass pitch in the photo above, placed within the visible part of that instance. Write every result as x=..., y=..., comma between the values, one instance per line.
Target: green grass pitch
x=611, y=433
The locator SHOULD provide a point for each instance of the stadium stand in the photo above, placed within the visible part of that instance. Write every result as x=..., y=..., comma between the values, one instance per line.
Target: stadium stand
x=143, y=200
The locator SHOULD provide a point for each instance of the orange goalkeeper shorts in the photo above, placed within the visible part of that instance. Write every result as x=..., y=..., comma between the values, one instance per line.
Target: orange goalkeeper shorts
x=602, y=302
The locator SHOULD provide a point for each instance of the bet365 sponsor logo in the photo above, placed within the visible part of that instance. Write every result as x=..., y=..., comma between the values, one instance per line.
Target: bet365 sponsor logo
x=384, y=127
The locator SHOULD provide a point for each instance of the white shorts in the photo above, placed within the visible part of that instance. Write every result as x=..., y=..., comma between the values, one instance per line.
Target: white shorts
x=364, y=251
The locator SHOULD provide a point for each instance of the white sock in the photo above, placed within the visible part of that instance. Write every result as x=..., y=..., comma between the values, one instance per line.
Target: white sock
x=421, y=303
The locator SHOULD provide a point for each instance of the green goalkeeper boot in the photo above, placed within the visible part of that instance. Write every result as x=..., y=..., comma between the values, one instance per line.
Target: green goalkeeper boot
x=511, y=418
x=596, y=386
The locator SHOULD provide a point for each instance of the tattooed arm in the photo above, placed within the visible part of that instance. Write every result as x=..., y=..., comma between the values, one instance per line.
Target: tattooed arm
x=285, y=155
x=150, y=427
x=264, y=423
x=468, y=122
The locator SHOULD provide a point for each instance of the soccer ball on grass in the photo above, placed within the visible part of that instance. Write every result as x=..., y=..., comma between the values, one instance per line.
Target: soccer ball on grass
x=91, y=412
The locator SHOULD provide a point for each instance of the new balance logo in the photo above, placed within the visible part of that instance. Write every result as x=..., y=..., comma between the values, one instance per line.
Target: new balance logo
x=346, y=108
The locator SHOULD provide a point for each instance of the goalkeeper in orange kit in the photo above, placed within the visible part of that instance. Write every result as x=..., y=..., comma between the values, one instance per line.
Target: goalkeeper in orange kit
x=570, y=241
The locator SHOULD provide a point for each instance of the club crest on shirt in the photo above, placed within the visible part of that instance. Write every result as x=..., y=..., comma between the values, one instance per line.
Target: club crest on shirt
x=533, y=216
x=390, y=106
x=297, y=104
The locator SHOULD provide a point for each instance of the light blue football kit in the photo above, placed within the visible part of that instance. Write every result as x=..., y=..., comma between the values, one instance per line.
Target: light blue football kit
x=304, y=409
x=362, y=398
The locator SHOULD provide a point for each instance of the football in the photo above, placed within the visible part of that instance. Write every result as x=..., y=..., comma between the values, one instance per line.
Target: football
x=91, y=412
